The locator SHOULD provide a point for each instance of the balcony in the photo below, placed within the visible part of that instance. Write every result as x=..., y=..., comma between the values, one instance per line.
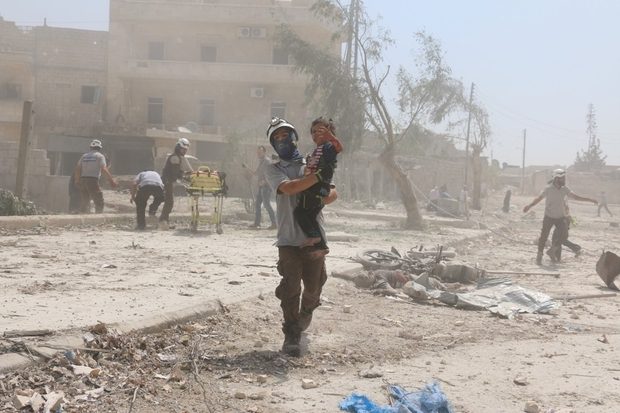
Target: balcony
x=194, y=11
x=205, y=71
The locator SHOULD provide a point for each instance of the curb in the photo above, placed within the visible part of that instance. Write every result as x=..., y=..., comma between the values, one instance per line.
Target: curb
x=14, y=361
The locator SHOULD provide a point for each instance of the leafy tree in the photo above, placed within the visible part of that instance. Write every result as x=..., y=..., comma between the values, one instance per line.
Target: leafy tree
x=592, y=158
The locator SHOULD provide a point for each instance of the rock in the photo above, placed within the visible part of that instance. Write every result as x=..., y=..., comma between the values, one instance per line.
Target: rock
x=81, y=370
x=520, y=381
x=531, y=407
x=459, y=323
x=308, y=384
x=258, y=344
x=53, y=402
x=370, y=374
x=347, y=309
x=176, y=374
x=37, y=402
x=261, y=378
x=19, y=401
x=240, y=395
x=258, y=396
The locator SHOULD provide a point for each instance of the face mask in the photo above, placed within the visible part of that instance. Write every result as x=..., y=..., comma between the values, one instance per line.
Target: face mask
x=287, y=148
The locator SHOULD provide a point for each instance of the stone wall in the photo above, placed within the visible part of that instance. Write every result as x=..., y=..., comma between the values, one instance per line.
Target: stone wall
x=47, y=192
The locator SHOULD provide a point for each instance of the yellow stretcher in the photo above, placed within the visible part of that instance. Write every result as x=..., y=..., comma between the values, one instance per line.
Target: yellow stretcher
x=203, y=182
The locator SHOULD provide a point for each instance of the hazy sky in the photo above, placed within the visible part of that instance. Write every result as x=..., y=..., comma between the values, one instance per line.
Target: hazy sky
x=537, y=64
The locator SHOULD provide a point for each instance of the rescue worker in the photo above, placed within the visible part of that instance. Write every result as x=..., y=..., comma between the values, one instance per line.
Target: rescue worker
x=295, y=264
x=87, y=174
x=176, y=167
x=555, y=214
x=145, y=185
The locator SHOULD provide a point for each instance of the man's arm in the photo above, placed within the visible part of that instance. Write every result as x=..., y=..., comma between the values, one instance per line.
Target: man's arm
x=108, y=175
x=576, y=197
x=295, y=186
x=133, y=190
x=533, y=203
x=333, y=195
x=77, y=173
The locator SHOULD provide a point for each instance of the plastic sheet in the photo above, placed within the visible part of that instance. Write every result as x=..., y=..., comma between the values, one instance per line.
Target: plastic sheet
x=430, y=399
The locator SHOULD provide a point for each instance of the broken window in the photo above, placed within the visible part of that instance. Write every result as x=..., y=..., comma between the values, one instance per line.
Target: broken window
x=155, y=114
x=278, y=110
x=207, y=112
x=10, y=91
x=280, y=57
x=156, y=50
x=208, y=53
x=90, y=94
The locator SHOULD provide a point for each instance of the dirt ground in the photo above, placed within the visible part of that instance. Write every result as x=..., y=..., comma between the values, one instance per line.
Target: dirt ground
x=62, y=279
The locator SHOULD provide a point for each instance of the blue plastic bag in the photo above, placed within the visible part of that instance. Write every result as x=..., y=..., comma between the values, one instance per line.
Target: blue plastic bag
x=430, y=399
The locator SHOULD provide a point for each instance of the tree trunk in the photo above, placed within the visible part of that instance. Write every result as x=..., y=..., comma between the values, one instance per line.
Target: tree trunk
x=405, y=189
x=477, y=172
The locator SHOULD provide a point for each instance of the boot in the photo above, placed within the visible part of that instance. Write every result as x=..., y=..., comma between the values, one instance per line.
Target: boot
x=553, y=254
x=539, y=258
x=292, y=338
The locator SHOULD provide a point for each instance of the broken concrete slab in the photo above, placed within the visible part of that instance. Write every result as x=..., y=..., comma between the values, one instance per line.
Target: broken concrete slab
x=608, y=268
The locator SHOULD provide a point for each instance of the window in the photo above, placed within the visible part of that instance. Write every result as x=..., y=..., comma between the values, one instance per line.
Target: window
x=156, y=111
x=207, y=112
x=208, y=53
x=10, y=91
x=156, y=50
x=280, y=57
x=278, y=109
x=90, y=94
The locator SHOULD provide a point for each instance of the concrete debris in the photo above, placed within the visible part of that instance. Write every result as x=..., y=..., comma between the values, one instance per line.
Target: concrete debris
x=531, y=407
x=308, y=384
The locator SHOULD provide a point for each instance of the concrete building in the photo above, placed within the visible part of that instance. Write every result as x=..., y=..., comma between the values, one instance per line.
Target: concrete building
x=16, y=77
x=212, y=67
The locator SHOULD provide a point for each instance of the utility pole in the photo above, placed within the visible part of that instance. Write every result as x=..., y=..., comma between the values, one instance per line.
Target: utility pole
x=24, y=146
x=523, y=164
x=471, y=99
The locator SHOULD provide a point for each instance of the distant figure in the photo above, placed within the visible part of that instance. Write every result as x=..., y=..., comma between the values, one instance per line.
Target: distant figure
x=464, y=202
x=145, y=185
x=506, y=206
x=263, y=195
x=443, y=192
x=87, y=174
x=555, y=214
x=74, y=196
x=433, y=197
x=602, y=203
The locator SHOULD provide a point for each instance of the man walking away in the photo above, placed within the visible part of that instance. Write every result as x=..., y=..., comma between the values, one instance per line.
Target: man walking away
x=145, y=185
x=86, y=175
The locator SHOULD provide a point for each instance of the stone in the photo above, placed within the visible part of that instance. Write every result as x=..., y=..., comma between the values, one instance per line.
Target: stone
x=81, y=370
x=531, y=407
x=370, y=374
x=19, y=401
x=258, y=396
x=261, y=378
x=308, y=384
x=53, y=402
x=520, y=381
x=37, y=402
x=347, y=309
x=240, y=395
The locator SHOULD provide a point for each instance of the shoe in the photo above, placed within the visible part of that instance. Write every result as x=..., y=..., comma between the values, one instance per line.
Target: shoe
x=254, y=226
x=552, y=254
x=539, y=259
x=291, y=344
x=273, y=226
x=578, y=252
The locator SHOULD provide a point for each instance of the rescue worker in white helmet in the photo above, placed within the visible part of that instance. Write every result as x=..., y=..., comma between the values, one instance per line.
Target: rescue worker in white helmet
x=86, y=177
x=176, y=167
x=555, y=196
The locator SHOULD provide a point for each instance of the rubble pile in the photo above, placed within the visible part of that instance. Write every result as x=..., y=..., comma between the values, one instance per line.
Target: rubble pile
x=12, y=205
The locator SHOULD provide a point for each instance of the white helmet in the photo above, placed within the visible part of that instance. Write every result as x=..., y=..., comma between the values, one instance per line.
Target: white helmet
x=96, y=144
x=277, y=123
x=558, y=173
x=183, y=143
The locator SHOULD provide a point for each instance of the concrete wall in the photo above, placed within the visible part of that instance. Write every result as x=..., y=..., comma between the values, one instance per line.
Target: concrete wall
x=47, y=192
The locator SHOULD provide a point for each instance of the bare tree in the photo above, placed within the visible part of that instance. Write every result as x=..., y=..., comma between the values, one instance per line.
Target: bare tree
x=425, y=98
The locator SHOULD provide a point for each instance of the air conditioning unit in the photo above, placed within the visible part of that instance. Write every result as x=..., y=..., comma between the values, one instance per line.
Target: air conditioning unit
x=245, y=32
x=257, y=92
x=259, y=32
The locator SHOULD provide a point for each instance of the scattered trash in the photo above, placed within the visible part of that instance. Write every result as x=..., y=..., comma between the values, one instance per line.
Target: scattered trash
x=430, y=399
x=603, y=339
